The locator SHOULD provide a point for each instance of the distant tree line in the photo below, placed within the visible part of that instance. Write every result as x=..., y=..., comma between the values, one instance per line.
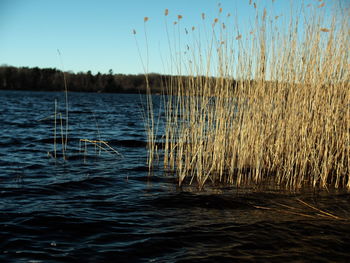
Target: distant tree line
x=51, y=79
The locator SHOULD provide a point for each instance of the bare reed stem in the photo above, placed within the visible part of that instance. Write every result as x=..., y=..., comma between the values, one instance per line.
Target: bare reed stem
x=55, y=131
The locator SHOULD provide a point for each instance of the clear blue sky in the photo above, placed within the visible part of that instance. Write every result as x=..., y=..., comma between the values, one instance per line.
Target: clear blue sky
x=97, y=35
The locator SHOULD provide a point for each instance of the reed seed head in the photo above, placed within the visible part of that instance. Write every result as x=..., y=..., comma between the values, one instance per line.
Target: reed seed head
x=145, y=19
x=325, y=30
x=203, y=16
x=166, y=12
x=179, y=17
x=134, y=31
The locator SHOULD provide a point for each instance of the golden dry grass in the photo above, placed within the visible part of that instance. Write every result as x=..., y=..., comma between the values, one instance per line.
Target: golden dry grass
x=277, y=109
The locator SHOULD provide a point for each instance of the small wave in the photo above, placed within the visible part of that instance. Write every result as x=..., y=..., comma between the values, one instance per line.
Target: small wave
x=10, y=141
x=83, y=184
x=196, y=200
x=128, y=143
x=34, y=167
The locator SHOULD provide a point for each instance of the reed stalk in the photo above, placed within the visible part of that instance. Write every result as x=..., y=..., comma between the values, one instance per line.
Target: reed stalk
x=148, y=110
x=63, y=138
x=55, y=132
x=66, y=102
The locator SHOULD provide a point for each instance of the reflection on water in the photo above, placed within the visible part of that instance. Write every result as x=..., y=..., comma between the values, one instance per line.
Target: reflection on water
x=100, y=207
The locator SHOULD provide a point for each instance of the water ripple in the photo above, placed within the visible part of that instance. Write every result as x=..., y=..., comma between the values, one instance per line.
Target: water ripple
x=98, y=207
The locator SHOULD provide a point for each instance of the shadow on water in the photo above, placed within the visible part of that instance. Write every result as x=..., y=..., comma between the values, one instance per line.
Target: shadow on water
x=95, y=207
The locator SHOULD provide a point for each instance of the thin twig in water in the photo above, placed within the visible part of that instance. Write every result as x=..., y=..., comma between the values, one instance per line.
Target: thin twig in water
x=319, y=210
x=98, y=143
x=284, y=211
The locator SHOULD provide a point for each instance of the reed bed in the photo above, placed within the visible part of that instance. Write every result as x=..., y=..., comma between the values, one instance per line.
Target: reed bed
x=268, y=106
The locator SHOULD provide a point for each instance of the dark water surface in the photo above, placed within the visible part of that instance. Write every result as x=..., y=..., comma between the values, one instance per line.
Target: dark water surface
x=101, y=207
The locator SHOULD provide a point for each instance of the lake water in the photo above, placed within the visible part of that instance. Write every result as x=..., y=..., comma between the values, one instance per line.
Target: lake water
x=102, y=207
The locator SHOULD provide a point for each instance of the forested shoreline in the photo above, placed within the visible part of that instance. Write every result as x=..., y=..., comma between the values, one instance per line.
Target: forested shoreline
x=52, y=79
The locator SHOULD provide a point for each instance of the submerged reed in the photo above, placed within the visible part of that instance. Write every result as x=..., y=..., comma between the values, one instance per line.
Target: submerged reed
x=269, y=106
x=99, y=144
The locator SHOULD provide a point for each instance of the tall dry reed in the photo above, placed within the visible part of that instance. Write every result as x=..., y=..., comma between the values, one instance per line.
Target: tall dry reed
x=270, y=106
